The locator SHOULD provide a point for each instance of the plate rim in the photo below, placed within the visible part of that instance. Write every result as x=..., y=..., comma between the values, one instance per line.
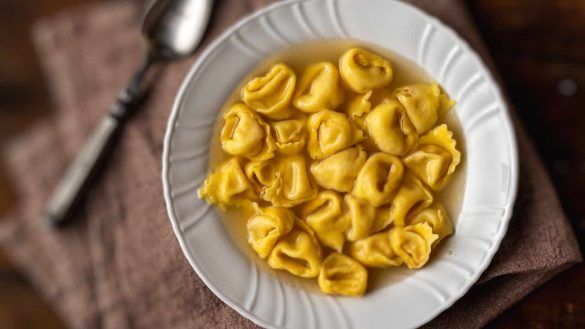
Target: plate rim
x=508, y=125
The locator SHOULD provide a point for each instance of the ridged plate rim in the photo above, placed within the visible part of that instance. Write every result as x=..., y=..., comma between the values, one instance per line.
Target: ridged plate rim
x=460, y=47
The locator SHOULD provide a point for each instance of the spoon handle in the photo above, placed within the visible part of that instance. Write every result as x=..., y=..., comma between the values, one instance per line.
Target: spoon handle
x=77, y=179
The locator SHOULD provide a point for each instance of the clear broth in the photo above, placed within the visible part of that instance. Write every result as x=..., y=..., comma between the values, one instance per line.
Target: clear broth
x=298, y=57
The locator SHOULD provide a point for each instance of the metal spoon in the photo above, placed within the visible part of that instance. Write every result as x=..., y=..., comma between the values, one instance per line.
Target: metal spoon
x=173, y=29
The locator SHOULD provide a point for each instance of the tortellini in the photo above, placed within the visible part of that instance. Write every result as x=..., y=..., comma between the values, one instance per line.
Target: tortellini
x=329, y=133
x=246, y=134
x=411, y=198
x=227, y=185
x=362, y=70
x=423, y=104
x=335, y=173
x=283, y=181
x=435, y=157
x=390, y=129
x=296, y=185
x=379, y=179
x=324, y=214
x=338, y=171
x=383, y=218
x=267, y=226
x=342, y=275
x=319, y=89
x=362, y=216
x=290, y=136
x=413, y=244
x=438, y=220
x=358, y=108
x=375, y=251
x=262, y=175
x=270, y=94
x=298, y=253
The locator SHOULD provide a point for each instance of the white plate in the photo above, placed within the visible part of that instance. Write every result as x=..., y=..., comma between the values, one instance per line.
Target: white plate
x=490, y=188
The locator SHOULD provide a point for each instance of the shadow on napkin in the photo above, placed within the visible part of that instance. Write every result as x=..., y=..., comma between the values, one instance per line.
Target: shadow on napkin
x=120, y=265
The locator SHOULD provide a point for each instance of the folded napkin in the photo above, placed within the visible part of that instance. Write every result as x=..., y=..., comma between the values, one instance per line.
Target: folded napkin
x=119, y=265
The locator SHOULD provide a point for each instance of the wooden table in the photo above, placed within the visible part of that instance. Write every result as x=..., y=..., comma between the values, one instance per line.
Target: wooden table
x=539, y=46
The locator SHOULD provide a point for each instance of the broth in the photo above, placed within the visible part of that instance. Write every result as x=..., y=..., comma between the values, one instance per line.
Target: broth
x=298, y=57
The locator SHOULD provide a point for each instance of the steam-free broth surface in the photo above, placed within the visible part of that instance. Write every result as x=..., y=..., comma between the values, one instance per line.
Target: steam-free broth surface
x=298, y=57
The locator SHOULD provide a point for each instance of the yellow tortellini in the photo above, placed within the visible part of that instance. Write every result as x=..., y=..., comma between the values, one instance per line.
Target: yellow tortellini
x=296, y=187
x=319, y=89
x=270, y=94
x=329, y=133
x=383, y=218
x=411, y=198
x=227, y=185
x=378, y=179
x=342, y=275
x=283, y=181
x=437, y=218
x=375, y=251
x=390, y=129
x=358, y=108
x=290, y=136
x=325, y=215
x=413, y=243
x=338, y=171
x=261, y=175
x=362, y=216
x=298, y=252
x=267, y=226
x=363, y=70
x=335, y=173
x=246, y=134
x=435, y=157
x=423, y=103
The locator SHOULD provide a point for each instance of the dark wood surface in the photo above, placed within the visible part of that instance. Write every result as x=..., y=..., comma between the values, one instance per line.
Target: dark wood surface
x=539, y=47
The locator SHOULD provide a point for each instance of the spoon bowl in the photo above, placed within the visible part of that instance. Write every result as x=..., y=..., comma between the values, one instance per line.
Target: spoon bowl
x=174, y=28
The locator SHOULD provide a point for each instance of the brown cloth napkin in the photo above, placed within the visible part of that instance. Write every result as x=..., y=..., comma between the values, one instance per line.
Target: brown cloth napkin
x=119, y=265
